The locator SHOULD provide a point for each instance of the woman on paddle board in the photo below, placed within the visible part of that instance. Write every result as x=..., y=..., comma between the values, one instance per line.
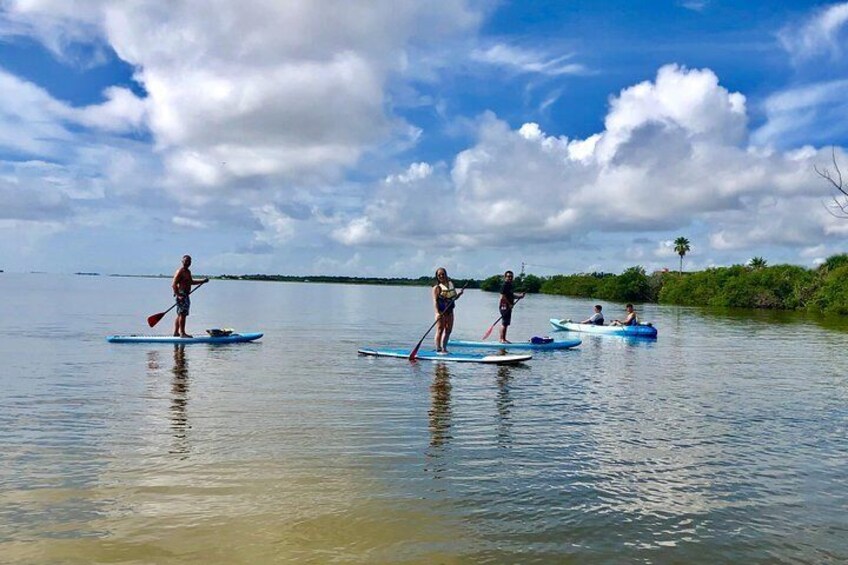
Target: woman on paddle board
x=444, y=296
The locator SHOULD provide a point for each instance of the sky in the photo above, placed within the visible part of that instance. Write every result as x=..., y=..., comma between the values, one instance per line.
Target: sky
x=390, y=137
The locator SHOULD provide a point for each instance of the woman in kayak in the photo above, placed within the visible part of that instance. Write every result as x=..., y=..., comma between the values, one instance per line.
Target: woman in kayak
x=630, y=320
x=444, y=295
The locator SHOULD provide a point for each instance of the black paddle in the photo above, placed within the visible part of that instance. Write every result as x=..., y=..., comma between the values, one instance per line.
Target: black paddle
x=155, y=318
x=414, y=352
x=489, y=331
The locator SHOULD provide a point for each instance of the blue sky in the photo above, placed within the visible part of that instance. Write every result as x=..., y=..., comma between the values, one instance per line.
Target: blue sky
x=389, y=138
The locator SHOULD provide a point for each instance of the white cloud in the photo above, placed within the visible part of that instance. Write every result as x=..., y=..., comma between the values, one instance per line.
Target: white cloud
x=289, y=90
x=695, y=5
x=807, y=113
x=819, y=35
x=416, y=171
x=359, y=231
x=674, y=151
x=23, y=237
x=184, y=222
x=277, y=227
x=528, y=61
x=122, y=111
x=31, y=121
x=665, y=249
x=64, y=26
x=261, y=127
x=61, y=161
x=690, y=102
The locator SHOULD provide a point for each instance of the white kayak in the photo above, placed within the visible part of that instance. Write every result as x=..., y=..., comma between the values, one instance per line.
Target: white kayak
x=431, y=355
x=641, y=330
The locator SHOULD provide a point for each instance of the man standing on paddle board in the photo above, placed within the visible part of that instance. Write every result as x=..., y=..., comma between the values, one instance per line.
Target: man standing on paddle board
x=444, y=296
x=181, y=285
x=507, y=303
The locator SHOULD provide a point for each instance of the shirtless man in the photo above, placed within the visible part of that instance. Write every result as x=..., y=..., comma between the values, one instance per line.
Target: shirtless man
x=182, y=287
x=630, y=320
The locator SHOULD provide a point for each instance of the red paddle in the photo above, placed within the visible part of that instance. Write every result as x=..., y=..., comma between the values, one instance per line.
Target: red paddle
x=155, y=318
x=489, y=331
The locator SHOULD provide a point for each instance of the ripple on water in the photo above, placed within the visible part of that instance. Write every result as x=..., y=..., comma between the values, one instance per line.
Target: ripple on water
x=722, y=441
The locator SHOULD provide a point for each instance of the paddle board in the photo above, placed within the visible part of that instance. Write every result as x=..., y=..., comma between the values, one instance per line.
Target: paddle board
x=430, y=355
x=642, y=330
x=522, y=345
x=232, y=338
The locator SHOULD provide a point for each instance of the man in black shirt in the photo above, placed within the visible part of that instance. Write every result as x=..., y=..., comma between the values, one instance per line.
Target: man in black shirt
x=508, y=298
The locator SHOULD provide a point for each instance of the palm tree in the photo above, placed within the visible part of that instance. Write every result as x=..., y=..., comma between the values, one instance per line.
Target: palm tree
x=757, y=263
x=681, y=246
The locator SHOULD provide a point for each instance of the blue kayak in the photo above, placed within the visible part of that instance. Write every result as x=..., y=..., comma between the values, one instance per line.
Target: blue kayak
x=523, y=345
x=642, y=330
x=431, y=355
x=231, y=338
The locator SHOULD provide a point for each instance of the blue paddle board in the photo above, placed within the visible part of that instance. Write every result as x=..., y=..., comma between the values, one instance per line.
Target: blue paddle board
x=232, y=338
x=430, y=355
x=519, y=345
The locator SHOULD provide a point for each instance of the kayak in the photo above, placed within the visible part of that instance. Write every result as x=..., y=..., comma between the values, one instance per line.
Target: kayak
x=642, y=330
x=431, y=355
x=524, y=345
x=231, y=338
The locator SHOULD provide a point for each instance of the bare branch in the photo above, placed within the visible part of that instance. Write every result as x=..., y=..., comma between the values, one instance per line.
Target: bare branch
x=842, y=208
x=825, y=174
x=839, y=208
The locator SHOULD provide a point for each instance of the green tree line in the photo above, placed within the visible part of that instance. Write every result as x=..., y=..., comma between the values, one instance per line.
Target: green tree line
x=522, y=283
x=393, y=281
x=757, y=285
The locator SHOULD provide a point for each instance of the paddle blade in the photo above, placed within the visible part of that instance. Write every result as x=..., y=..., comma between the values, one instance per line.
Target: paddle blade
x=155, y=318
x=489, y=332
x=414, y=352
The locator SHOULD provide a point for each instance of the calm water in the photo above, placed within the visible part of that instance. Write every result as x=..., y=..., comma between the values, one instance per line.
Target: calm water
x=723, y=441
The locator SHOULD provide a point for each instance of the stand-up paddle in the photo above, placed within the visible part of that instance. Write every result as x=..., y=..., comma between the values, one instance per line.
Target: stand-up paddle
x=414, y=352
x=489, y=331
x=155, y=318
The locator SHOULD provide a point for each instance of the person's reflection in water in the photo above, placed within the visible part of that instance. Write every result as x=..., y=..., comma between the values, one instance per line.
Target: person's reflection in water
x=503, y=402
x=153, y=362
x=440, y=419
x=179, y=402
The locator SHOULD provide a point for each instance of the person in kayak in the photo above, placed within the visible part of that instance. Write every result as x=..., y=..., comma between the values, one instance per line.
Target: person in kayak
x=597, y=318
x=181, y=286
x=506, y=304
x=444, y=296
x=630, y=320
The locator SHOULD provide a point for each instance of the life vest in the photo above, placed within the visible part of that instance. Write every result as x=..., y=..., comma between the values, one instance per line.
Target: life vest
x=447, y=291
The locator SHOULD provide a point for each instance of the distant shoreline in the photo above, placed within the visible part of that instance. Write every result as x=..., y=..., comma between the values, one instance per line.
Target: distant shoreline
x=387, y=281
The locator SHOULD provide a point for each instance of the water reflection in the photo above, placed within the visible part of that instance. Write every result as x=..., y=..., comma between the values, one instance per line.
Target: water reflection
x=179, y=402
x=503, y=403
x=440, y=409
x=439, y=420
x=749, y=317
